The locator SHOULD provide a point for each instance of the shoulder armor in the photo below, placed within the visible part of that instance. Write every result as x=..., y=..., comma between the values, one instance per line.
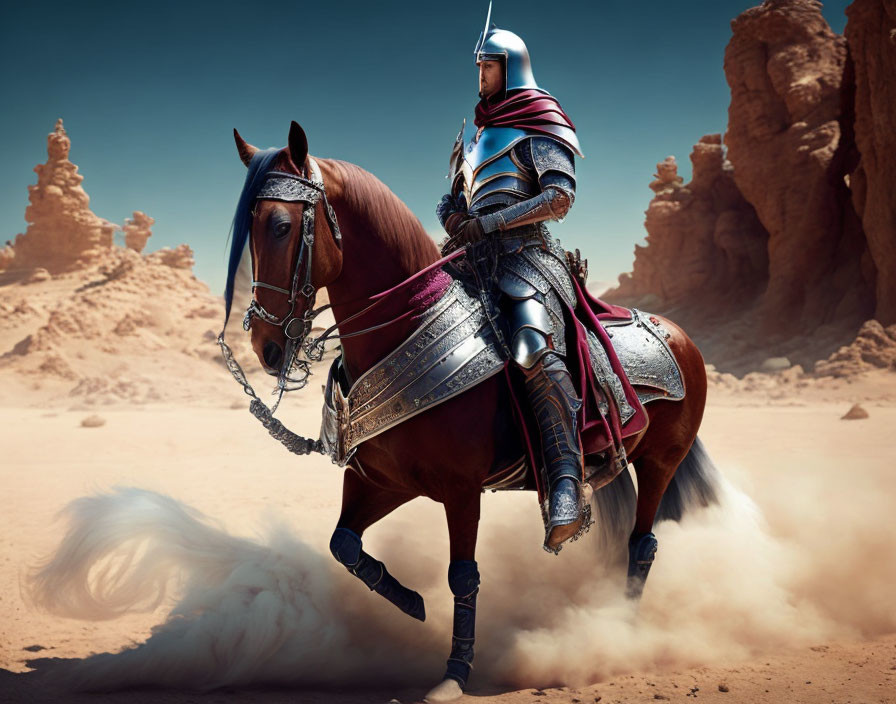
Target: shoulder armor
x=565, y=136
x=551, y=155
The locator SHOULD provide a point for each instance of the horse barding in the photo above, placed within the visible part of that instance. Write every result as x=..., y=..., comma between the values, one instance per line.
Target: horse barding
x=419, y=402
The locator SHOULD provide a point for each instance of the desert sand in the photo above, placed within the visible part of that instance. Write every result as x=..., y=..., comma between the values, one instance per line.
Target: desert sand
x=782, y=593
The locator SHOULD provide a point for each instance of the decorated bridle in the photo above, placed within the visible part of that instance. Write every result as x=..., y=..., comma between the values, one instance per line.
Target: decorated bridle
x=292, y=188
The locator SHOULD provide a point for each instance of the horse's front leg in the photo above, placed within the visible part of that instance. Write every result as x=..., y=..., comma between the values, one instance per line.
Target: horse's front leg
x=462, y=512
x=363, y=504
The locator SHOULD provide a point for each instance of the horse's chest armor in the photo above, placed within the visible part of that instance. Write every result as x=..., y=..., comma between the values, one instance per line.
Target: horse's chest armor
x=490, y=166
x=451, y=351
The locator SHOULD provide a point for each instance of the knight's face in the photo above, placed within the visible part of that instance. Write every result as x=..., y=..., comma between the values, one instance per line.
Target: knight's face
x=491, y=78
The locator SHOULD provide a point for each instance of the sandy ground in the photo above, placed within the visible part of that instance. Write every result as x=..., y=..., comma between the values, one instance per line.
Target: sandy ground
x=784, y=594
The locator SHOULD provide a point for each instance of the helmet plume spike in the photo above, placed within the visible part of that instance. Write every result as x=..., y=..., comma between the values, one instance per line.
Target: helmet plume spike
x=488, y=19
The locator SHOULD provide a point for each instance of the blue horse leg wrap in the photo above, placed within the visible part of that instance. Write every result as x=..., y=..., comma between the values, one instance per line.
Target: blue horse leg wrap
x=641, y=553
x=463, y=579
x=346, y=548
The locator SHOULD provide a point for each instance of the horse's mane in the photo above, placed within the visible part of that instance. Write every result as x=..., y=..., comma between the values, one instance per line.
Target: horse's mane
x=262, y=162
x=375, y=206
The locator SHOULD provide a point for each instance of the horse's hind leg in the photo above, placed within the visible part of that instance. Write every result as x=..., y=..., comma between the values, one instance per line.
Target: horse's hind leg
x=363, y=505
x=653, y=478
x=463, y=580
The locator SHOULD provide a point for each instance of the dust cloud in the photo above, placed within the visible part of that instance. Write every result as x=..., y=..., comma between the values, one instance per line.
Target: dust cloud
x=729, y=582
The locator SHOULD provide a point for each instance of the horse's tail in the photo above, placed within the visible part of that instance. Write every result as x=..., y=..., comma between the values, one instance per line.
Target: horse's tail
x=613, y=507
x=695, y=484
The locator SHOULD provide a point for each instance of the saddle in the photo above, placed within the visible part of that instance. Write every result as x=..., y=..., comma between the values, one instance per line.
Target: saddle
x=619, y=359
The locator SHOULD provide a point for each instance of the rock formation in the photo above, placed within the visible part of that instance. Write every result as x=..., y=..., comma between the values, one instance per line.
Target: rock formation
x=706, y=228
x=666, y=176
x=873, y=348
x=784, y=66
x=63, y=233
x=794, y=226
x=87, y=322
x=181, y=257
x=137, y=230
x=871, y=35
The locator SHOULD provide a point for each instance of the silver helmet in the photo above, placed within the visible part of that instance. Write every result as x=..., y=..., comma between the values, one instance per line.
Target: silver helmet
x=501, y=45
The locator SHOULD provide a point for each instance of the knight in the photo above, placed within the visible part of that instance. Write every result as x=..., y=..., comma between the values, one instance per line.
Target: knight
x=510, y=174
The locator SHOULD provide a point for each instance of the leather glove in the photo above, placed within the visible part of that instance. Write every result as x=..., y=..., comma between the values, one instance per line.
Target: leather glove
x=463, y=229
x=468, y=230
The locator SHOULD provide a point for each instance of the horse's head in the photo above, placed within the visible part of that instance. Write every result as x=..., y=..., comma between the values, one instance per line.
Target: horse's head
x=294, y=244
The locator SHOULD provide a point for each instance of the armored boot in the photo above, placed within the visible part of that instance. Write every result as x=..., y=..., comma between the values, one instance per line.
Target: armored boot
x=554, y=404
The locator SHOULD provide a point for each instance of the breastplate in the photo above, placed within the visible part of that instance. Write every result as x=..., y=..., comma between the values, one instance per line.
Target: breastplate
x=490, y=167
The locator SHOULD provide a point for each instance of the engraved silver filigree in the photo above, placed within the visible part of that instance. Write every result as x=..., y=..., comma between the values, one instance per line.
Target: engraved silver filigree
x=646, y=357
x=451, y=351
x=287, y=189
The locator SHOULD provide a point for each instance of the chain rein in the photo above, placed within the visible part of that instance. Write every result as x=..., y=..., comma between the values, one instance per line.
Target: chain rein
x=296, y=329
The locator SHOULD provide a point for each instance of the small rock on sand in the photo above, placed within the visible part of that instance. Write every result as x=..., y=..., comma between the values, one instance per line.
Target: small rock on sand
x=855, y=413
x=723, y=687
x=93, y=422
x=775, y=364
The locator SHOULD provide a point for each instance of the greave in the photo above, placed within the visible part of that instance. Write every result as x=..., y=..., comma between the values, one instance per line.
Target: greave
x=554, y=403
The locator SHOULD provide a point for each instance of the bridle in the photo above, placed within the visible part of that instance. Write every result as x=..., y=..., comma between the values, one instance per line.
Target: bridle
x=282, y=186
x=292, y=188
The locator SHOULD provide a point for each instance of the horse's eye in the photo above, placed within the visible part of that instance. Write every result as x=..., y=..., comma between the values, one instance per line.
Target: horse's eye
x=281, y=229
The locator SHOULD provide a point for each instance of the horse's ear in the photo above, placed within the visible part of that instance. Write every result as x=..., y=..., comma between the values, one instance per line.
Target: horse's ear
x=298, y=144
x=246, y=150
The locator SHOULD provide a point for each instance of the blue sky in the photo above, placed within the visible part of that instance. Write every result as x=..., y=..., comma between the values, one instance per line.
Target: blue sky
x=150, y=93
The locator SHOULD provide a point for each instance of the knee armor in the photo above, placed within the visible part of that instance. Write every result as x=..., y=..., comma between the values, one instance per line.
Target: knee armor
x=530, y=330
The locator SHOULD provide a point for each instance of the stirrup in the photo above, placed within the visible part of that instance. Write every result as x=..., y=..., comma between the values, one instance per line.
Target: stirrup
x=570, y=528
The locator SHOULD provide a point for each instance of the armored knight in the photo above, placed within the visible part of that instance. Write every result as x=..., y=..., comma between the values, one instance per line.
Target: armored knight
x=509, y=176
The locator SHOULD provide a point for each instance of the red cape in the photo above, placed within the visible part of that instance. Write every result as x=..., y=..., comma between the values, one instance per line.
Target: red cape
x=529, y=109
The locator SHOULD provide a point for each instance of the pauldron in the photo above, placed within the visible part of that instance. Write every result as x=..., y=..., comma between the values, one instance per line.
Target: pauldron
x=502, y=166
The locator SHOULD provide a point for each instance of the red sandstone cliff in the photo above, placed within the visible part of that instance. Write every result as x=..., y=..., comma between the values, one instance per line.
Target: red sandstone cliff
x=785, y=68
x=707, y=229
x=793, y=229
x=871, y=35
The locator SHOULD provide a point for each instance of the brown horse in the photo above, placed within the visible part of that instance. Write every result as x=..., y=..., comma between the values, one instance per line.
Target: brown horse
x=447, y=452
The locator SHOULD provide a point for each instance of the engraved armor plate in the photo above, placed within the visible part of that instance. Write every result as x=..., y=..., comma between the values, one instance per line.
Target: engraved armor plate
x=535, y=269
x=488, y=166
x=450, y=352
x=610, y=384
x=644, y=353
x=492, y=143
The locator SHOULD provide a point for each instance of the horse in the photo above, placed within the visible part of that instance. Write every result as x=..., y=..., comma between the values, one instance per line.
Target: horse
x=447, y=452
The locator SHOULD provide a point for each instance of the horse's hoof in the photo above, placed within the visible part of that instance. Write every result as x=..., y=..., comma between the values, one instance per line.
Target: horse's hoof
x=446, y=691
x=418, y=608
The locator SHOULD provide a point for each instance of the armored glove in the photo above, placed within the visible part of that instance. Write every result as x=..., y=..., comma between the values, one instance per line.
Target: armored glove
x=448, y=206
